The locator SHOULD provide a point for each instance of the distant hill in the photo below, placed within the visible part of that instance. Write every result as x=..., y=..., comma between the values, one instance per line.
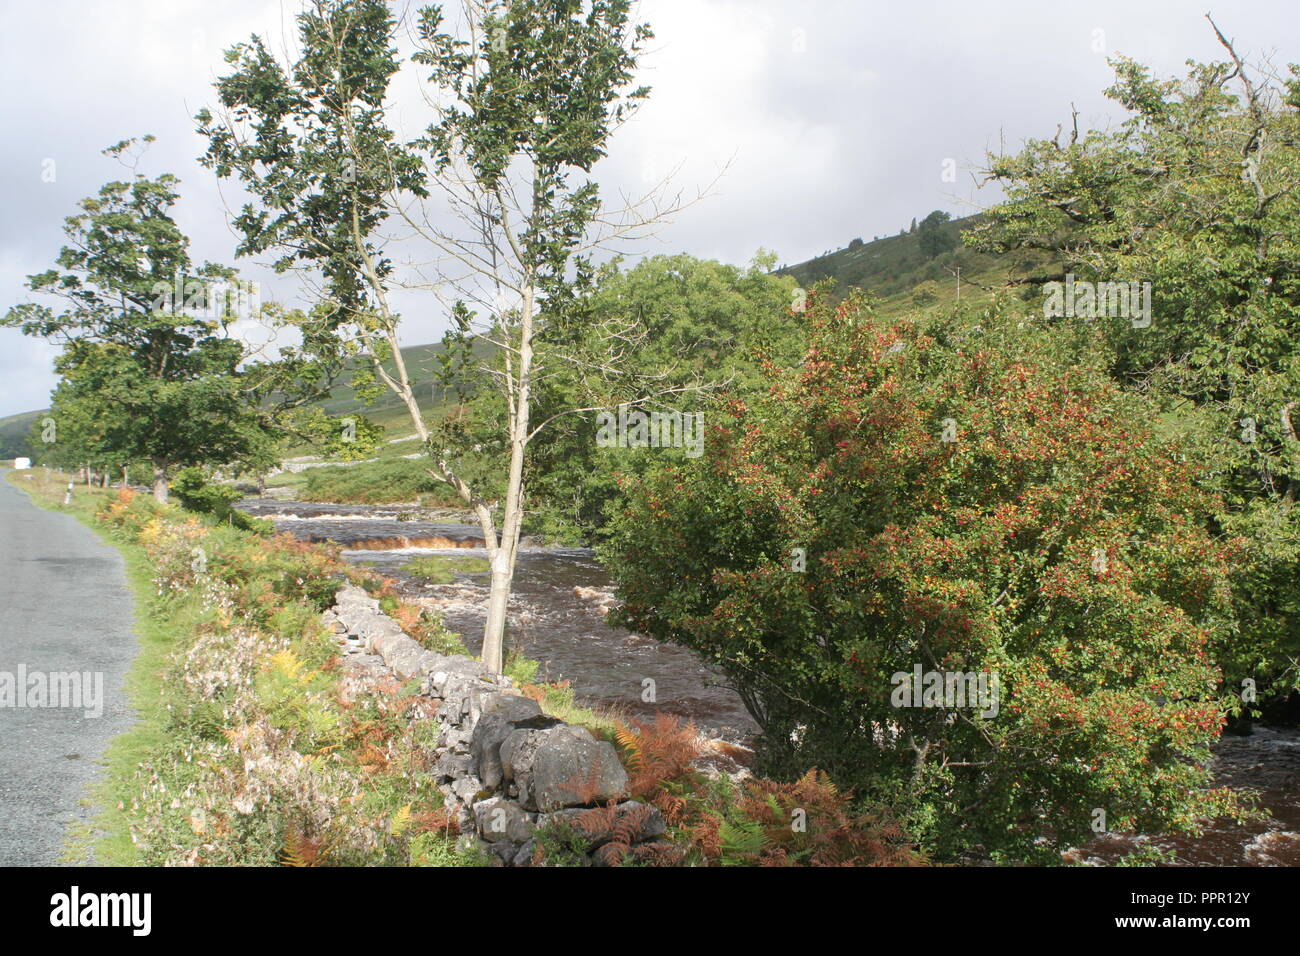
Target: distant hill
x=14, y=432
x=388, y=410
x=420, y=361
x=893, y=266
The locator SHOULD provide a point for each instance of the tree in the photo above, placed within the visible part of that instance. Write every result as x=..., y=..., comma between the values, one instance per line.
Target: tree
x=702, y=323
x=148, y=369
x=525, y=96
x=1193, y=197
x=961, y=503
x=932, y=237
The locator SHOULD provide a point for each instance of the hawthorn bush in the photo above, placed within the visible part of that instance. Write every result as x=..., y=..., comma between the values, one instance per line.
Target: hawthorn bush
x=967, y=501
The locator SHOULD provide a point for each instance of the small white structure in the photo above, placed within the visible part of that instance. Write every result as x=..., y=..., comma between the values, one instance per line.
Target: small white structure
x=22, y=464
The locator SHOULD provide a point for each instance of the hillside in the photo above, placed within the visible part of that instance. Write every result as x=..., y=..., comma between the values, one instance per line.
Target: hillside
x=14, y=432
x=891, y=267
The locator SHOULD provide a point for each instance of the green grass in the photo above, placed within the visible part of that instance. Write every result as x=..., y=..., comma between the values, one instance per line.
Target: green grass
x=444, y=568
x=106, y=840
x=378, y=482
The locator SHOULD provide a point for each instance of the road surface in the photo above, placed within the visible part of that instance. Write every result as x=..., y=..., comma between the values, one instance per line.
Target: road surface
x=65, y=607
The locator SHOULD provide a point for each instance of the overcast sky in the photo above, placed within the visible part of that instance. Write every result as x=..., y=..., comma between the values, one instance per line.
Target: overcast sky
x=837, y=116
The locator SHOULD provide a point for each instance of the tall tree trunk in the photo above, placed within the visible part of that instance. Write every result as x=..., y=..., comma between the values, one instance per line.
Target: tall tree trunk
x=503, y=562
x=160, y=481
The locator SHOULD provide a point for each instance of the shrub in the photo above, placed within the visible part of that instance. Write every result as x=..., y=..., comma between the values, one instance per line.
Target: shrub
x=924, y=293
x=751, y=822
x=960, y=504
x=197, y=493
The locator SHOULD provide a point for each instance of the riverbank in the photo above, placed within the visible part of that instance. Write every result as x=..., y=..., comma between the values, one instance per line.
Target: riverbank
x=557, y=617
x=557, y=609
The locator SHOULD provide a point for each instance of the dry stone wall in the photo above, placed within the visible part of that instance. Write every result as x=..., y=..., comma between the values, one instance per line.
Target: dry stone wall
x=505, y=768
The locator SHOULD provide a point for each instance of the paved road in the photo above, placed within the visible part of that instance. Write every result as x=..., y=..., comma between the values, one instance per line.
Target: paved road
x=64, y=607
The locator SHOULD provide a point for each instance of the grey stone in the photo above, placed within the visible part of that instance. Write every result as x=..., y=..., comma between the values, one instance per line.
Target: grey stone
x=452, y=681
x=431, y=661
x=382, y=644
x=469, y=789
x=571, y=768
x=503, y=852
x=525, y=855
x=451, y=765
x=405, y=660
x=499, y=819
x=454, y=739
x=501, y=715
x=517, y=752
x=514, y=708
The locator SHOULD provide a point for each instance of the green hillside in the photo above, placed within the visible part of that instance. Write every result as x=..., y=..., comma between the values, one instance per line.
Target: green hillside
x=14, y=432
x=387, y=410
x=421, y=362
x=892, y=267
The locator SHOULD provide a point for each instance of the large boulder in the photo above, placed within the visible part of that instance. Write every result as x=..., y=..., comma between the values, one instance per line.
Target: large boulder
x=500, y=715
x=563, y=766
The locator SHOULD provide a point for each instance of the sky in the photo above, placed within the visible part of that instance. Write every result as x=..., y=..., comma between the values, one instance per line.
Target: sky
x=828, y=120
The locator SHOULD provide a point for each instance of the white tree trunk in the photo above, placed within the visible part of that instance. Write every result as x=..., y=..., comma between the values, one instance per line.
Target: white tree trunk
x=503, y=561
